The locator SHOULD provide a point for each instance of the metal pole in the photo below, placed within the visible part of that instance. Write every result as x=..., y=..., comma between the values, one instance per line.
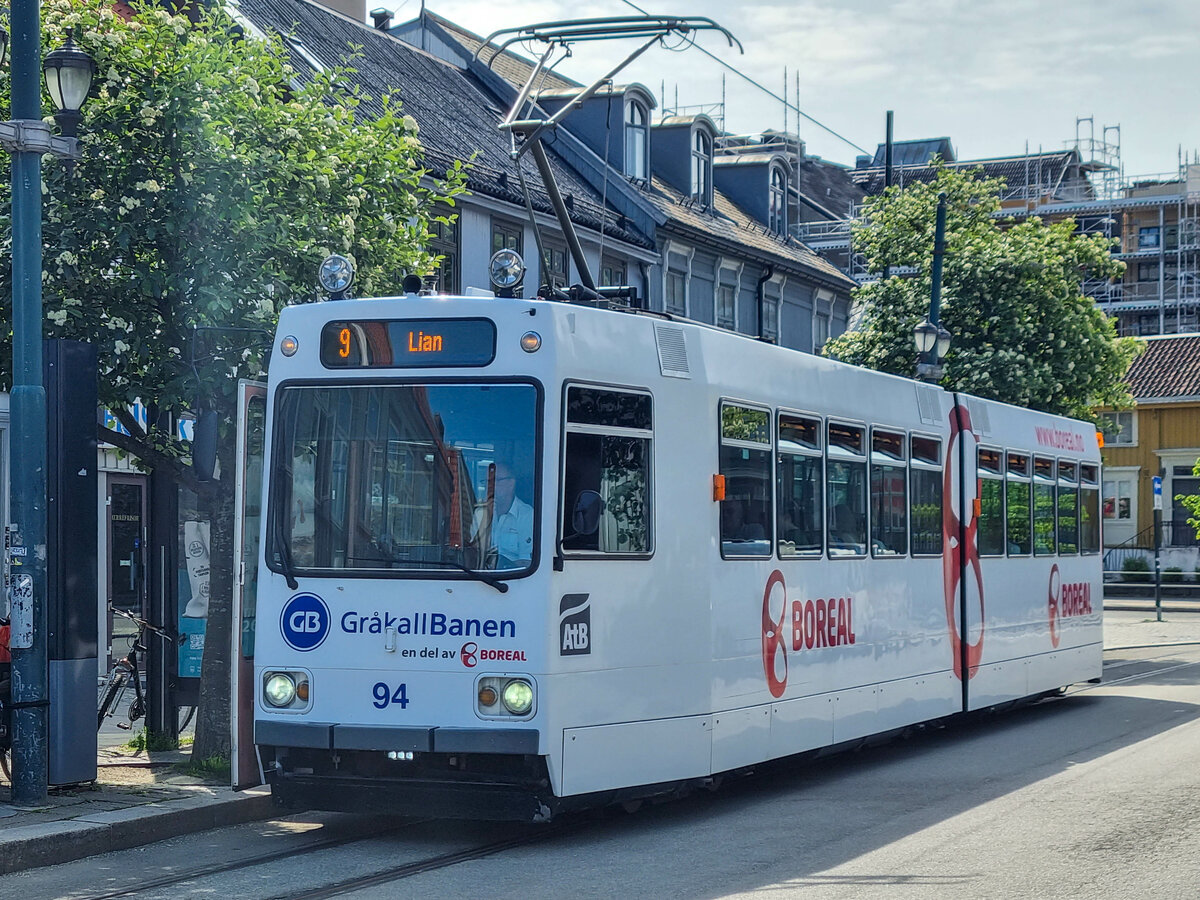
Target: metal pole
x=28, y=415
x=935, y=291
x=1157, y=564
x=887, y=174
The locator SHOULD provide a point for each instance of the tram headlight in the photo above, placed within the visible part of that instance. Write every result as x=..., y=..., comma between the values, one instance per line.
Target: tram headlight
x=518, y=697
x=506, y=269
x=505, y=696
x=280, y=689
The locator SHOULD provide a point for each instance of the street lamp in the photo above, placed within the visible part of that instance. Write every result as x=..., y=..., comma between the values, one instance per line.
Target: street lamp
x=931, y=338
x=68, y=71
x=27, y=138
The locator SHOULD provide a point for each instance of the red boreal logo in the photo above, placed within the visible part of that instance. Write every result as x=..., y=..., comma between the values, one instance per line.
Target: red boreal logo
x=961, y=550
x=469, y=654
x=815, y=624
x=773, y=650
x=472, y=654
x=1066, y=601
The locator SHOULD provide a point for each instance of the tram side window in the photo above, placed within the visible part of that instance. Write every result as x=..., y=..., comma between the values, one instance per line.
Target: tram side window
x=1017, y=512
x=1089, y=509
x=745, y=461
x=846, y=488
x=801, y=502
x=606, y=475
x=1043, y=507
x=889, y=494
x=926, y=513
x=1068, y=507
x=991, y=502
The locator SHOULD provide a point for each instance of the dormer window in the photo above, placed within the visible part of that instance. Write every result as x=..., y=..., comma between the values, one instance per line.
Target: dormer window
x=701, y=168
x=778, y=208
x=637, y=139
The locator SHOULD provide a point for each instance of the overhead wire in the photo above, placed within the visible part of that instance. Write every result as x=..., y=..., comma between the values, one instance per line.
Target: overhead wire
x=764, y=89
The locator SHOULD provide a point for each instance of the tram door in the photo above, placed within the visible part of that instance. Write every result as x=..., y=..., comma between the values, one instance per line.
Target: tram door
x=252, y=412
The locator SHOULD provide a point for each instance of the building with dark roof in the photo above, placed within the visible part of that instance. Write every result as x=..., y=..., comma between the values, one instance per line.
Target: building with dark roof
x=722, y=258
x=1159, y=436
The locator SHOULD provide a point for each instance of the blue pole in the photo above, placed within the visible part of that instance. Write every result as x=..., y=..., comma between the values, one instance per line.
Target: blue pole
x=27, y=438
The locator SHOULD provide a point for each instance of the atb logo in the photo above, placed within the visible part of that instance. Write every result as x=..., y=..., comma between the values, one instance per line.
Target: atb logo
x=469, y=654
x=774, y=650
x=574, y=625
x=305, y=622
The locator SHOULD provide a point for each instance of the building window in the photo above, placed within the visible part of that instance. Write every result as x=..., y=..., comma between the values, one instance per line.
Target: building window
x=444, y=243
x=675, y=293
x=554, y=266
x=778, y=211
x=507, y=236
x=820, y=331
x=1117, y=499
x=613, y=272
x=1119, y=428
x=1147, y=271
x=769, y=327
x=701, y=168
x=727, y=306
x=637, y=137
x=1148, y=238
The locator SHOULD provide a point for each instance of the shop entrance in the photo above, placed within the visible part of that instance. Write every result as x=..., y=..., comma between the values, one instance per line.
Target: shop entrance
x=126, y=511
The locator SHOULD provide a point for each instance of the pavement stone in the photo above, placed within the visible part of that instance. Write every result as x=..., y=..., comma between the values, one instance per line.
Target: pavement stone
x=140, y=798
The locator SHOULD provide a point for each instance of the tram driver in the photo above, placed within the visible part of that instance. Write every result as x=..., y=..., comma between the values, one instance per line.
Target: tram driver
x=507, y=526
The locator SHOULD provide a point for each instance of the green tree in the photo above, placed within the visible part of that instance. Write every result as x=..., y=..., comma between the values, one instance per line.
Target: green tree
x=1191, y=502
x=1023, y=330
x=214, y=179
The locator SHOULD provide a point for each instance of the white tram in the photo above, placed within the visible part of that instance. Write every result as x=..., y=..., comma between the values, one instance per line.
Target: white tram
x=720, y=552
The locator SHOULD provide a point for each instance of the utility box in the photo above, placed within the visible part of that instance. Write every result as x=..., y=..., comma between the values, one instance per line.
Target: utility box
x=72, y=516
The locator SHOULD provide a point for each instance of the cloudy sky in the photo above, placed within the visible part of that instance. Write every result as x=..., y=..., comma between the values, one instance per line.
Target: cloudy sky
x=990, y=74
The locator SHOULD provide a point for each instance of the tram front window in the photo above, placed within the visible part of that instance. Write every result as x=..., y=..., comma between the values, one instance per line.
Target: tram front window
x=412, y=477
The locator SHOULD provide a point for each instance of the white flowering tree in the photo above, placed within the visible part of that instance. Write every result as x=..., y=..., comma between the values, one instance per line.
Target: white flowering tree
x=1024, y=331
x=210, y=188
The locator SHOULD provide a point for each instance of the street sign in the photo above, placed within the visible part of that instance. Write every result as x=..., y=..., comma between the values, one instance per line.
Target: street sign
x=1158, y=492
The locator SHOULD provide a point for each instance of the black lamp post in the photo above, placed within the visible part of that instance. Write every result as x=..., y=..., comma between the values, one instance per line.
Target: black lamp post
x=931, y=338
x=27, y=138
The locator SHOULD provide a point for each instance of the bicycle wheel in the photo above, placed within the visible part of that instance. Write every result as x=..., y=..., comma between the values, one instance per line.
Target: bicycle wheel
x=110, y=694
x=187, y=713
x=4, y=766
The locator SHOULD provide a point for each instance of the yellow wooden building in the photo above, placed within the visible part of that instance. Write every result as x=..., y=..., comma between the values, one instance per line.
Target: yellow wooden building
x=1159, y=436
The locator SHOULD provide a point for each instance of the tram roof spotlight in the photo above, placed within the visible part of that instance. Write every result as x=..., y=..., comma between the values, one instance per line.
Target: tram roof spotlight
x=506, y=269
x=336, y=274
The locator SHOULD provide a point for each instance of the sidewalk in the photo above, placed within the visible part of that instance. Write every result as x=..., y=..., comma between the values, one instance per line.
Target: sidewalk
x=139, y=798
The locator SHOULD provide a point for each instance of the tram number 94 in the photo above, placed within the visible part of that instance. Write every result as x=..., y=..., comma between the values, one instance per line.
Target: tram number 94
x=385, y=696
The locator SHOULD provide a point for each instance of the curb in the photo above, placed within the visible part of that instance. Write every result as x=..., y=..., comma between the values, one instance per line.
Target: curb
x=51, y=843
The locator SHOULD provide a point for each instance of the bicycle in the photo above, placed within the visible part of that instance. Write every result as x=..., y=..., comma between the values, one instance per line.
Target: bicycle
x=125, y=671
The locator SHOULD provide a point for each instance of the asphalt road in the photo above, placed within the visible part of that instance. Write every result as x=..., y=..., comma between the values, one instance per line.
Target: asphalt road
x=1096, y=794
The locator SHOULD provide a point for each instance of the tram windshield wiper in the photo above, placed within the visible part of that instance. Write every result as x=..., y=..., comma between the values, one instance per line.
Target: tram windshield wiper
x=283, y=553
x=489, y=580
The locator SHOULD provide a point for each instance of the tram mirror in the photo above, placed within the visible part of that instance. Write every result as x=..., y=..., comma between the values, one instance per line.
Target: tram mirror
x=585, y=518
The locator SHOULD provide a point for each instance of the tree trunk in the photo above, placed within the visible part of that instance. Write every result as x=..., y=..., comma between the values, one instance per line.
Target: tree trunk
x=213, y=715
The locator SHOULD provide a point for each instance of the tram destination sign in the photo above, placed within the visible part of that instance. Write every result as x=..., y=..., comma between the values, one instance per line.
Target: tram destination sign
x=407, y=343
